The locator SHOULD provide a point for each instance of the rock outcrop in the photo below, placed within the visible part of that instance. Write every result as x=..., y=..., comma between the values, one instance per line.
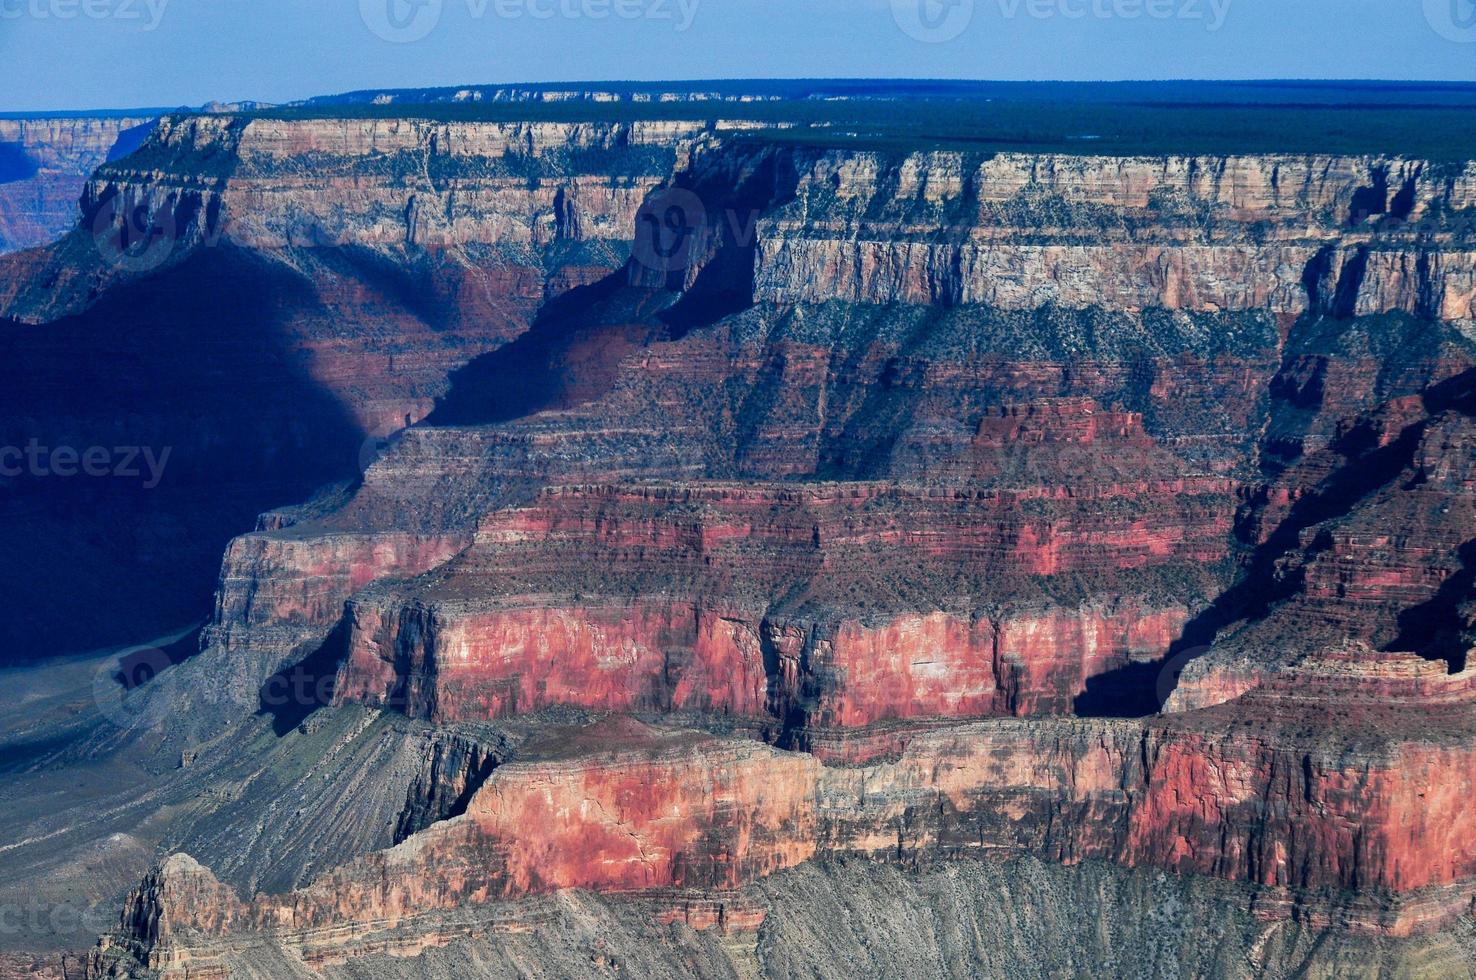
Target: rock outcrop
x=1015, y=231
x=1362, y=825
x=44, y=165
x=1367, y=540
x=819, y=607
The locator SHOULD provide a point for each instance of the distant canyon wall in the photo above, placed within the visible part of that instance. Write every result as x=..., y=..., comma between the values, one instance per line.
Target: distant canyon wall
x=44, y=165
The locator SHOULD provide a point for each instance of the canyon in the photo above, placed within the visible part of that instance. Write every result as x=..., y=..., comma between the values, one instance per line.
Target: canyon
x=644, y=538
x=44, y=164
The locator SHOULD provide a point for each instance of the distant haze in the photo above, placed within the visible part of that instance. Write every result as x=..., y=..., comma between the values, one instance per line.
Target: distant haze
x=78, y=54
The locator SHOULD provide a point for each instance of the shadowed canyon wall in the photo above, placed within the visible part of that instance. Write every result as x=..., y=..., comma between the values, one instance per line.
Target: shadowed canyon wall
x=201, y=310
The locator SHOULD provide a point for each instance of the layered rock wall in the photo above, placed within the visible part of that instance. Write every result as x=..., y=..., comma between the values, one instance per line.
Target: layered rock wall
x=379, y=182
x=273, y=361
x=44, y=165
x=1286, y=234
x=623, y=808
x=772, y=603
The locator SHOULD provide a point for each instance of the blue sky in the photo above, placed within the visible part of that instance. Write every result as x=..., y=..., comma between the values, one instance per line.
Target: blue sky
x=74, y=54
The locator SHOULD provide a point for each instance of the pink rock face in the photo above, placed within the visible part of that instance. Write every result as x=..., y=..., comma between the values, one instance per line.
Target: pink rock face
x=711, y=815
x=539, y=611
x=686, y=658
x=1369, y=827
x=1052, y=656
x=198, y=901
x=1389, y=824
x=938, y=666
x=1392, y=828
x=915, y=666
x=1070, y=421
x=273, y=577
x=652, y=824
x=1204, y=684
x=504, y=663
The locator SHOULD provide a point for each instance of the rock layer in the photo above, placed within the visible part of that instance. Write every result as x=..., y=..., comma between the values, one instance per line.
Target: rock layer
x=44, y=165
x=1017, y=231
x=536, y=613
x=1358, y=832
